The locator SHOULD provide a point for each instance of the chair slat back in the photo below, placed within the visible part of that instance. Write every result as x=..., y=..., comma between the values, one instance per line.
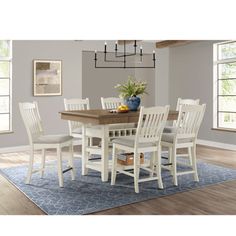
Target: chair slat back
x=189, y=120
x=32, y=121
x=73, y=105
x=151, y=123
x=186, y=102
x=111, y=102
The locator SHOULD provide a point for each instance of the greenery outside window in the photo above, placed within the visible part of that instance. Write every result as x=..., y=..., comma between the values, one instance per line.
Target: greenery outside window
x=225, y=85
x=5, y=86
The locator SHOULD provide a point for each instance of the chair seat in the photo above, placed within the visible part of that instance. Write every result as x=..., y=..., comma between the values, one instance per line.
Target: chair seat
x=169, y=138
x=53, y=139
x=129, y=142
x=169, y=129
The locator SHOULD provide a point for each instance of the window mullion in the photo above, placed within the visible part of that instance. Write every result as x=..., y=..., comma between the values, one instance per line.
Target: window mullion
x=6, y=116
x=225, y=61
x=225, y=117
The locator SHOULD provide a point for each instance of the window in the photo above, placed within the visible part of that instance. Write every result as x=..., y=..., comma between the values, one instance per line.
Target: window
x=5, y=86
x=225, y=85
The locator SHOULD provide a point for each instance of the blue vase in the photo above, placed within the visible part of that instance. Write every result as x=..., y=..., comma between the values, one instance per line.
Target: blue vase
x=133, y=103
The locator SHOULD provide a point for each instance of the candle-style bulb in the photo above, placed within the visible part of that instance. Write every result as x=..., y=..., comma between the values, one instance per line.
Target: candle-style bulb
x=95, y=58
x=105, y=47
x=154, y=55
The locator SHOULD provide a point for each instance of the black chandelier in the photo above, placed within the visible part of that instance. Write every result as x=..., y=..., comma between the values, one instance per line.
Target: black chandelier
x=121, y=57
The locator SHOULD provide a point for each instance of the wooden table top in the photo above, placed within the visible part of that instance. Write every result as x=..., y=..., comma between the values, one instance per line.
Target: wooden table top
x=102, y=117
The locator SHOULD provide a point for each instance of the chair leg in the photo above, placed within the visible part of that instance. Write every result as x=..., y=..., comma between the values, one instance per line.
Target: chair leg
x=194, y=163
x=104, y=153
x=174, y=166
x=59, y=166
x=152, y=161
x=90, y=141
x=30, y=169
x=170, y=155
x=71, y=161
x=42, y=163
x=190, y=156
x=170, y=160
x=114, y=164
x=136, y=171
x=158, y=168
x=84, y=151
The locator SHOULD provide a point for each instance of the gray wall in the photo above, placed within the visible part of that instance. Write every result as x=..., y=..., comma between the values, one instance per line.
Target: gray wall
x=191, y=76
x=23, y=54
x=162, y=77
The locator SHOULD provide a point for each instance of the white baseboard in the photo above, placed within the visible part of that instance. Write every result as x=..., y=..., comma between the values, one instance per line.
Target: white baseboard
x=15, y=149
x=216, y=144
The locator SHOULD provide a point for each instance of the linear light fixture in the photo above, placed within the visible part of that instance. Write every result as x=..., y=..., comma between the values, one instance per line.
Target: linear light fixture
x=121, y=57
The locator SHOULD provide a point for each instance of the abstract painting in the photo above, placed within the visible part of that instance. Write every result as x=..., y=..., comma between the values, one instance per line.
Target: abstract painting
x=47, y=78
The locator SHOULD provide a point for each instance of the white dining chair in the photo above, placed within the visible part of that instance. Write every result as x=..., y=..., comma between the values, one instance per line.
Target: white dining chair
x=147, y=139
x=186, y=101
x=72, y=105
x=75, y=127
x=180, y=101
x=184, y=136
x=39, y=141
x=171, y=129
x=111, y=102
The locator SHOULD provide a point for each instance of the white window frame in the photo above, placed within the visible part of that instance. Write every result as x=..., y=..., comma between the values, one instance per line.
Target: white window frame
x=216, y=62
x=9, y=59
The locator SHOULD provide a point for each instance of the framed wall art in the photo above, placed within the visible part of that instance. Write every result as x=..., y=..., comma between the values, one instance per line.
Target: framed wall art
x=47, y=77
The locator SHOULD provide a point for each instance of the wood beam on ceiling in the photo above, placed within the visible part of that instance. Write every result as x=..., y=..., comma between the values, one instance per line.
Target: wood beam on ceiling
x=172, y=43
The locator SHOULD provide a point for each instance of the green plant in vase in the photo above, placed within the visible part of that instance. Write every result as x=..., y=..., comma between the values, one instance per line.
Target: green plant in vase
x=130, y=90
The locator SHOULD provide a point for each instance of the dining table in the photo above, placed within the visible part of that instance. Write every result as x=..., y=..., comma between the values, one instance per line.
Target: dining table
x=103, y=119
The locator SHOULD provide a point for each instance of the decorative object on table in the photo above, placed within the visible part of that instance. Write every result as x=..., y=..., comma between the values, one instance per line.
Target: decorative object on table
x=133, y=103
x=122, y=108
x=120, y=57
x=47, y=77
x=130, y=90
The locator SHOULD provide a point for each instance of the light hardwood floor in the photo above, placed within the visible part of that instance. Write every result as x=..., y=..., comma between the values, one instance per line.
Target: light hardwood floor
x=216, y=199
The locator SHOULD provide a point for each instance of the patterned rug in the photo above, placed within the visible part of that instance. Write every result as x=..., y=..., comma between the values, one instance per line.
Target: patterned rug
x=88, y=194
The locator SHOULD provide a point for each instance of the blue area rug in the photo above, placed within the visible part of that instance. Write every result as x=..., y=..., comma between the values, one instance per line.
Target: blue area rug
x=88, y=194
